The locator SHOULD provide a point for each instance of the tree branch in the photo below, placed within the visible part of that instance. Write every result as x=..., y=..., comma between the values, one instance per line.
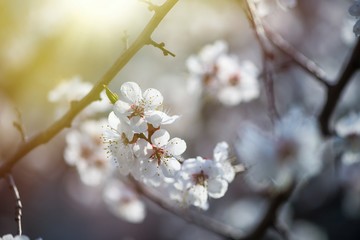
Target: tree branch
x=161, y=46
x=93, y=95
x=300, y=59
x=335, y=91
x=18, y=208
x=268, y=56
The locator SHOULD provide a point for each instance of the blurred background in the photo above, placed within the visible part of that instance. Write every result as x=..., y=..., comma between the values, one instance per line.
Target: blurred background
x=43, y=43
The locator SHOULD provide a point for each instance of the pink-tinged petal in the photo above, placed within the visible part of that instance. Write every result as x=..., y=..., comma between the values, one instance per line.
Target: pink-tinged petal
x=131, y=92
x=176, y=147
x=138, y=124
x=149, y=168
x=170, y=166
x=160, y=138
x=217, y=187
x=152, y=99
x=122, y=108
x=142, y=148
x=221, y=151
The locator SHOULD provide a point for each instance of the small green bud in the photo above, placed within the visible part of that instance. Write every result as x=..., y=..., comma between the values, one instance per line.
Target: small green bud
x=113, y=97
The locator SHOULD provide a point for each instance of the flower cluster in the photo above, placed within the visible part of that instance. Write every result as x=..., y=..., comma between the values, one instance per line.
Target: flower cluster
x=222, y=76
x=85, y=151
x=200, y=178
x=290, y=153
x=354, y=10
x=142, y=148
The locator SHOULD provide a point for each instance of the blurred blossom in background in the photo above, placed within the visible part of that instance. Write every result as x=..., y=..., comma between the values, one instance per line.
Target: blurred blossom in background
x=52, y=52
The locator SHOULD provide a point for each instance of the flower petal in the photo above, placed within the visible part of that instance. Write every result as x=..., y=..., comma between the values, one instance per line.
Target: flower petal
x=131, y=92
x=149, y=168
x=217, y=187
x=152, y=98
x=176, y=147
x=156, y=118
x=138, y=124
x=142, y=148
x=197, y=196
x=160, y=138
x=170, y=166
x=221, y=151
x=122, y=108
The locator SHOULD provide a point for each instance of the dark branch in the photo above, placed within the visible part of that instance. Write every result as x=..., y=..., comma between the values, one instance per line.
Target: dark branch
x=76, y=107
x=300, y=59
x=335, y=91
x=270, y=215
x=18, y=208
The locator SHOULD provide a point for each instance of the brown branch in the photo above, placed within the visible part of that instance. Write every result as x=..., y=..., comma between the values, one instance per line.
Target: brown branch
x=335, y=91
x=18, y=208
x=268, y=57
x=93, y=95
x=297, y=57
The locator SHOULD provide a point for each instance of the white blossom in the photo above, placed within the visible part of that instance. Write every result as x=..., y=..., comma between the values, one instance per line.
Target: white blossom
x=292, y=152
x=238, y=81
x=221, y=76
x=116, y=138
x=348, y=129
x=159, y=157
x=124, y=202
x=140, y=109
x=85, y=151
x=11, y=237
x=198, y=179
x=354, y=11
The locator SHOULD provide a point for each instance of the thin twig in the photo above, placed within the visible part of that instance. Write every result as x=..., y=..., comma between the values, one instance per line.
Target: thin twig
x=161, y=46
x=47, y=134
x=151, y=6
x=19, y=125
x=18, y=208
x=268, y=56
x=335, y=91
x=300, y=59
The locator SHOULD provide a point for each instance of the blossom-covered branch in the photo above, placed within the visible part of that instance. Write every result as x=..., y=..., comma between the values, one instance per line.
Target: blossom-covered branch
x=93, y=95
